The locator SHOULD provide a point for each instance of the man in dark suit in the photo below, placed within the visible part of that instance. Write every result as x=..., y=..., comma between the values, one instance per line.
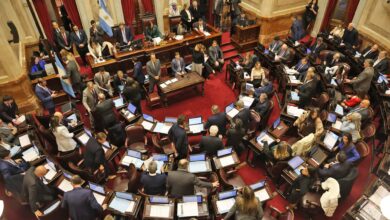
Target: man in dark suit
x=350, y=36
x=243, y=114
x=96, y=32
x=275, y=45
x=302, y=65
x=297, y=30
x=119, y=82
x=338, y=169
x=307, y=89
x=63, y=40
x=242, y=21
x=177, y=134
x=211, y=144
x=56, y=33
x=81, y=203
x=217, y=118
x=216, y=55
x=73, y=73
x=195, y=11
x=9, y=111
x=218, y=7
x=181, y=182
x=153, y=69
x=94, y=157
x=362, y=83
x=371, y=52
x=178, y=65
x=123, y=35
x=200, y=26
x=332, y=59
x=132, y=93
x=283, y=54
x=104, y=115
x=318, y=47
x=381, y=64
x=45, y=95
x=153, y=183
x=35, y=191
x=80, y=39
x=138, y=74
x=12, y=172
x=262, y=105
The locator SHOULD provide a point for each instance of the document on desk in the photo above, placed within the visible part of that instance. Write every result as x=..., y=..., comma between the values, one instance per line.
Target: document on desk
x=378, y=195
x=225, y=205
x=122, y=205
x=206, y=33
x=84, y=138
x=337, y=125
x=50, y=174
x=266, y=138
x=24, y=140
x=174, y=80
x=294, y=111
x=14, y=150
x=147, y=125
x=371, y=212
x=30, y=154
x=226, y=161
x=262, y=195
x=197, y=167
x=196, y=128
x=21, y=119
x=161, y=211
x=163, y=85
x=162, y=128
x=248, y=101
x=99, y=198
x=65, y=185
x=188, y=209
x=128, y=160
x=232, y=113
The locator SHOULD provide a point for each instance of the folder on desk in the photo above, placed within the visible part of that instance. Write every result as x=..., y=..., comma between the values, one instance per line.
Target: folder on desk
x=24, y=140
x=160, y=211
x=162, y=128
x=248, y=101
x=262, y=195
x=197, y=167
x=294, y=111
x=337, y=124
x=224, y=206
x=65, y=185
x=187, y=209
x=330, y=140
x=52, y=171
x=196, y=128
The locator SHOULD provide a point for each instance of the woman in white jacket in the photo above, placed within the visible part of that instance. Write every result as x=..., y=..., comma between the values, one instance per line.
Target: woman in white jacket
x=329, y=199
x=64, y=139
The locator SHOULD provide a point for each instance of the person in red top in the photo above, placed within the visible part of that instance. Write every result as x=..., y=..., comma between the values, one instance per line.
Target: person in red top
x=351, y=101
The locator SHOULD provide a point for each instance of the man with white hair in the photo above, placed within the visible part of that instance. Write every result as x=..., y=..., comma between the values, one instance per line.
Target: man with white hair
x=211, y=144
x=350, y=36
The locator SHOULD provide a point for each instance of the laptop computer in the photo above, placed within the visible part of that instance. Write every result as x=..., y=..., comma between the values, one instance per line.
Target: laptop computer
x=148, y=117
x=339, y=110
x=159, y=199
x=276, y=123
x=229, y=107
x=258, y=185
x=119, y=102
x=123, y=195
x=195, y=198
x=195, y=120
x=160, y=157
x=170, y=120
x=227, y=194
x=224, y=152
x=197, y=157
x=131, y=108
x=294, y=96
x=97, y=188
x=331, y=117
x=330, y=140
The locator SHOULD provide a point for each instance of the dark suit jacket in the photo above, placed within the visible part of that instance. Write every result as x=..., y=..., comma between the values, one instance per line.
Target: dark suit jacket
x=235, y=7
x=330, y=62
x=81, y=204
x=8, y=169
x=154, y=185
x=73, y=72
x=8, y=113
x=98, y=34
x=244, y=115
x=93, y=155
x=317, y=49
x=56, y=35
x=184, y=16
x=219, y=120
x=118, y=82
x=35, y=191
x=337, y=171
x=138, y=74
x=284, y=55
x=218, y=10
x=179, y=137
x=195, y=13
x=362, y=111
x=362, y=83
x=297, y=30
x=306, y=91
x=300, y=67
x=104, y=114
x=82, y=40
x=262, y=108
x=132, y=94
x=210, y=145
x=181, y=183
x=243, y=22
x=177, y=65
x=61, y=41
x=153, y=71
x=371, y=55
x=119, y=37
x=275, y=46
x=234, y=137
x=351, y=37
x=383, y=66
x=44, y=96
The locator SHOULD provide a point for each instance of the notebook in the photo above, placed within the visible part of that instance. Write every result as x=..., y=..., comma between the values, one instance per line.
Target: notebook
x=131, y=108
x=159, y=211
x=339, y=110
x=330, y=140
x=187, y=209
x=197, y=167
x=226, y=161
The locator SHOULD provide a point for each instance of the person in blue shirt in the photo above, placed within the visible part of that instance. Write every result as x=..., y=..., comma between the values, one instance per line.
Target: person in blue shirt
x=37, y=64
x=138, y=75
x=297, y=30
x=349, y=148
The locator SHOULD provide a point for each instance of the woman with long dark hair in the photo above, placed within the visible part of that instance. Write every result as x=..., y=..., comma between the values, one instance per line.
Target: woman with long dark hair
x=64, y=139
x=346, y=145
x=310, y=13
x=247, y=206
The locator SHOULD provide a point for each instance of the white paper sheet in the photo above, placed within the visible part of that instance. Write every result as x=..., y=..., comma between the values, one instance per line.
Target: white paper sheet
x=51, y=208
x=225, y=205
x=83, y=138
x=24, y=140
x=51, y=173
x=122, y=205
x=147, y=125
x=379, y=194
x=196, y=128
x=294, y=111
x=262, y=195
x=197, y=167
x=128, y=160
x=337, y=125
x=188, y=209
x=162, y=128
x=161, y=211
x=232, y=113
x=99, y=197
x=226, y=161
x=248, y=101
x=65, y=185
x=30, y=154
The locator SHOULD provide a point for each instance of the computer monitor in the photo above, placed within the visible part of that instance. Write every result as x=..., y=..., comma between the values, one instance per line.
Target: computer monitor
x=295, y=162
x=248, y=87
x=339, y=109
x=224, y=152
x=194, y=121
x=148, y=117
x=197, y=157
x=131, y=108
x=159, y=199
x=96, y=187
x=51, y=164
x=332, y=117
x=276, y=123
x=229, y=107
x=195, y=198
x=88, y=132
x=170, y=119
x=330, y=140
x=160, y=157
x=266, y=51
x=118, y=102
x=133, y=153
x=308, y=51
x=67, y=175
x=123, y=195
x=257, y=185
x=72, y=117
x=227, y=194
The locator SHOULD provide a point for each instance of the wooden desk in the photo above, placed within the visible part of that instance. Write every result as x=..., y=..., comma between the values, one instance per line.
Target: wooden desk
x=383, y=168
x=203, y=211
x=188, y=80
x=217, y=161
x=148, y=207
x=279, y=131
x=54, y=83
x=128, y=116
x=136, y=209
x=246, y=37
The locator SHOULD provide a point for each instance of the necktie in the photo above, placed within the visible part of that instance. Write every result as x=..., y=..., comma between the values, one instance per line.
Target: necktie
x=368, y=52
x=65, y=40
x=299, y=67
x=124, y=36
x=78, y=34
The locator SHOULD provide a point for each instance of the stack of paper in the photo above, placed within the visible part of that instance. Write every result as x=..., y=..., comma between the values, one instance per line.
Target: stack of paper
x=24, y=140
x=294, y=111
x=122, y=205
x=65, y=185
x=337, y=125
x=225, y=205
x=262, y=195
x=99, y=197
x=160, y=211
x=248, y=101
x=187, y=209
x=226, y=161
x=197, y=167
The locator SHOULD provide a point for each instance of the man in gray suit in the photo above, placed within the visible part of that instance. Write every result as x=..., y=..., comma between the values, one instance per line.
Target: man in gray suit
x=181, y=182
x=153, y=68
x=90, y=99
x=216, y=56
x=103, y=80
x=178, y=65
x=283, y=54
x=361, y=84
x=218, y=6
x=73, y=73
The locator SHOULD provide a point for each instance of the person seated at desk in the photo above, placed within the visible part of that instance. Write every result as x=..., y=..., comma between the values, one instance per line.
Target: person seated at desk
x=362, y=109
x=370, y=52
x=35, y=191
x=178, y=66
x=8, y=132
x=216, y=56
x=186, y=17
x=248, y=61
x=350, y=101
x=173, y=9
x=381, y=64
x=68, y=123
x=332, y=59
x=153, y=69
x=262, y=106
x=181, y=182
x=152, y=32
x=94, y=156
x=45, y=95
x=152, y=182
x=181, y=28
x=138, y=74
x=302, y=66
x=64, y=139
x=265, y=87
x=283, y=54
x=337, y=169
x=301, y=186
x=37, y=64
x=275, y=45
x=242, y=21
x=350, y=36
x=243, y=114
x=277, y=151
x=247, y=206
x=123, y=35
x=95, y=50
x=362, y=83
x=12, y=172
x=234, y=136
x=200, y=26
x=308, y=89
x=352, y=124
x=132, y=93
x=9, y=110
x=257, y=74
x=211, y=144
x=317, y=47
x=178, y=135
x=103, y=81
x=217, y=118
x=80, y=202
x=346, y=145
x=297, y=30
x=96, y=32
x=105, y=113
x=119, y=82
x=310, y=122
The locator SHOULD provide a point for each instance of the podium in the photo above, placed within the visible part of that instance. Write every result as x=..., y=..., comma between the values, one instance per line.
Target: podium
x=246, y=38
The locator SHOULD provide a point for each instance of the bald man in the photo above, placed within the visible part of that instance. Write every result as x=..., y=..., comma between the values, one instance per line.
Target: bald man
x=211, y=144
x=371, y=52
x=350, y=36
x=217, y=118
x=362, y=109
x=104, y=115
x=35, y=191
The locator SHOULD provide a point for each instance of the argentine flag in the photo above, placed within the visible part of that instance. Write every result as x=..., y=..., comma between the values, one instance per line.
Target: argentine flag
x=105, y=19
x=66, y=86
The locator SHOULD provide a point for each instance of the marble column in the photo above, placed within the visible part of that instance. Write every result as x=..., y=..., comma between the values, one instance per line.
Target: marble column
x=86, y=15
x=159, y=12
x=322, y=5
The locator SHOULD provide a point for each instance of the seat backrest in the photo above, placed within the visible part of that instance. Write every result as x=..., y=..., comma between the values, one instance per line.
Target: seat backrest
x=323, y=100
x=346, y=183
x=276, y=169
x=224, y=178
x=254, y=120
x=324, y=54
x=369, y=130
x=146, y=19
x=363, y=149
x=135, y=133
x=174, y=22
x=133, y=184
